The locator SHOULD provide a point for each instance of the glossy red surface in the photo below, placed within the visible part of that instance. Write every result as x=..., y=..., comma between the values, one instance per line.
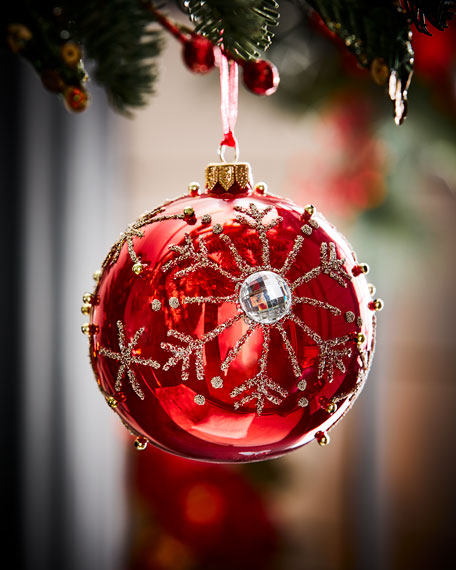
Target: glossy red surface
x=261, y=77
x=289, y=402
x=198, y=54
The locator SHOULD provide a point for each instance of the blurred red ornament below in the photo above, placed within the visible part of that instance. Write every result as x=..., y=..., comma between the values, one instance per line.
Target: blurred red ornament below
x=231, y=325
x=194, y=512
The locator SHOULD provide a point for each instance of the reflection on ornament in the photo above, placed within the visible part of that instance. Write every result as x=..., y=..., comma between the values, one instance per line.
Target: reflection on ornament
x=247, y=332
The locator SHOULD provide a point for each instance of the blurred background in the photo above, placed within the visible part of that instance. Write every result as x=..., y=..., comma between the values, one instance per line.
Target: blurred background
x=382, y=495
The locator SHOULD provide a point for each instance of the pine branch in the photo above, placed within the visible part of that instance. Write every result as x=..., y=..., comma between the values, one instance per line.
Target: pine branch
x=117, y=37
x=37, y=31
x=376, y=32
x=370, y=29
x=438, y=12
x=242, y=27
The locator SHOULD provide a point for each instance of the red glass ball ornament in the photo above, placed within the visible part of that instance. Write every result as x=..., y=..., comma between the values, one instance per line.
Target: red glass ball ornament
x=261, y=77
x=231, y=325
x=198, y=54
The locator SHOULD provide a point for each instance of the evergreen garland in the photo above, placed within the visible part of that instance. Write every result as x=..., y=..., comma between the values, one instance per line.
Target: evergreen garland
x=116, y=37
x=122, y=51
x=371, y=30
x=438, y=12
x=242, y=27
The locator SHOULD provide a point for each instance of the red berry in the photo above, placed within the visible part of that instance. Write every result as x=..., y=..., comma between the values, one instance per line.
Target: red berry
x=76, y=99
x=199, y=54
x=261, y=77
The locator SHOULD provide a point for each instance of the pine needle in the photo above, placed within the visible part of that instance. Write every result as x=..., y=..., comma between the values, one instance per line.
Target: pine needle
x=242, y=27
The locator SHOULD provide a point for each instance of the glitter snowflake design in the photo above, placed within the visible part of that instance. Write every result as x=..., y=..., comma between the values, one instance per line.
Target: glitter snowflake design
x=134, y=231
x=260, y=388
x=126, y=356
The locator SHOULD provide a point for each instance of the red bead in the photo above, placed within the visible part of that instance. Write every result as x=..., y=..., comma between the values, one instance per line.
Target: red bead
x=76, y=99
x=201, y=377
x=261, y=77
x=199, y=54
x=52, y=81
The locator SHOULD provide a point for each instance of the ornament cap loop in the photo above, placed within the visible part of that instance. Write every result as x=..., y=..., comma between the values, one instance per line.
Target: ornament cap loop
x=221, y=152
x=228, y=178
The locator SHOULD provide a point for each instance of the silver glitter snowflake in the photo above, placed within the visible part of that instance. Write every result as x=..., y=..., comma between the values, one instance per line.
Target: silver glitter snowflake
x=264, y=299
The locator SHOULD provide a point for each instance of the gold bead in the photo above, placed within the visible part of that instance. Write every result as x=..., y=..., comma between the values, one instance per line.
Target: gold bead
x=85, y=328
x=331, y=408
x=112, y=402
x=360, y=338
x=71, y=53
x=364, y=268
x=380, y=71
x=371, y=288
x=188, y=212
x=378, y=304
x=87, y=299
x=193, y=188
x=322, y=438
x=97, y=275
x=261, y=188
x=310, y=209
x=137, y=268
x=140, y=443
x=86, y=308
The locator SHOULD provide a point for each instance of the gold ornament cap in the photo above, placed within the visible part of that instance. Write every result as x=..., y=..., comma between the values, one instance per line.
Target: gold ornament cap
x=228, y=178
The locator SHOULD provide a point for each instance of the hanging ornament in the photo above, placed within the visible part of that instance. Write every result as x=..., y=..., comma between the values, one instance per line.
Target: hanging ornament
x=230, y=324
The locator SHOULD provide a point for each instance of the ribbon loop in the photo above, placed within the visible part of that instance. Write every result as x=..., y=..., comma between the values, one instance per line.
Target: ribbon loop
x=229, y=100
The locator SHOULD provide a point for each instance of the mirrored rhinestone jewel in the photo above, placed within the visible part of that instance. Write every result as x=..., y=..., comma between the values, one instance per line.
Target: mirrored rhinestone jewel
x=265, y=297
